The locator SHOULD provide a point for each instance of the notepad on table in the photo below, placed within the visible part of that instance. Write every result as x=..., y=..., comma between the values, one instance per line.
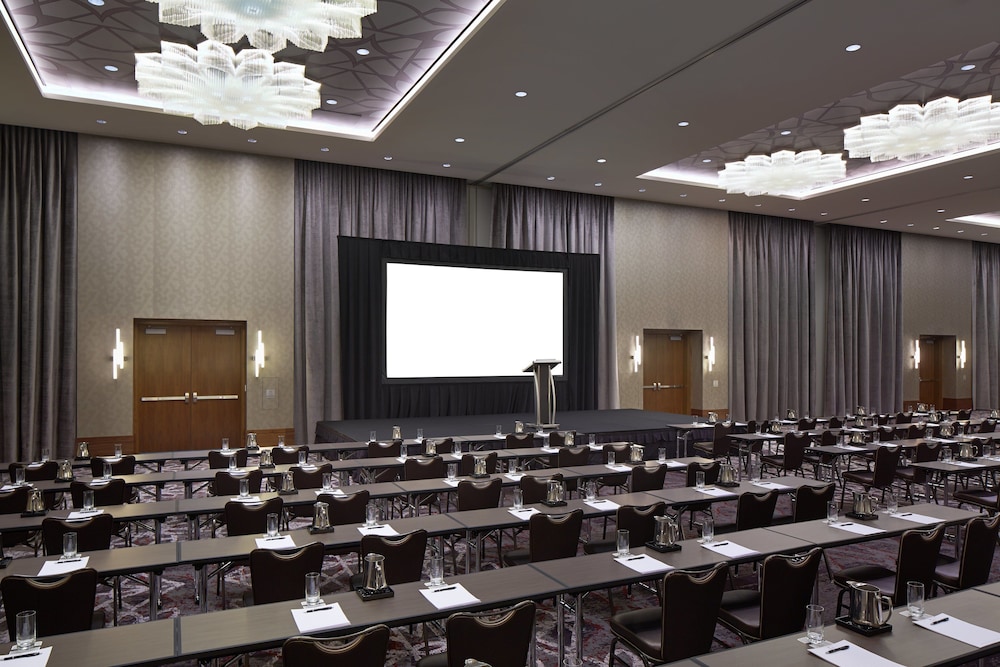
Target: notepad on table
x=384, y=529
x=643, y=564
x=56, y=567
x=857, y=528
x=446, y=597
x=276, y=542
x=324, y=617
x=949, y=626
x=729, y=549
x=846, y=654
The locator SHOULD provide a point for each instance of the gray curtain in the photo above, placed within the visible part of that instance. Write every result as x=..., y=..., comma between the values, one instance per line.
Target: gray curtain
x=333, y=200
x=538, y=219
x=865, y=350
x=771, y=319
x=38, y=238
x=986, y=326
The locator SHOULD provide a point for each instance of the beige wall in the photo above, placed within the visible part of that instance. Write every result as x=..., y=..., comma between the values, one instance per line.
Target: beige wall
x=672, y=273
x=173, y=232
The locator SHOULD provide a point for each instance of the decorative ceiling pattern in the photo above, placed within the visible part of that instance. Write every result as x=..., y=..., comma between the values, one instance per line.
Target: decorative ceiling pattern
x=72, y=45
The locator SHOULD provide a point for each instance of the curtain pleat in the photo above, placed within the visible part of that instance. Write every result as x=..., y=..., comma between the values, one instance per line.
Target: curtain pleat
x=771, y=323
x=538, y=219
x=38, y=291
x=985, y=325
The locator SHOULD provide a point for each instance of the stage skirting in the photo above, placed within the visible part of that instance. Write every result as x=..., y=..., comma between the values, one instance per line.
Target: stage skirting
x=639, y=426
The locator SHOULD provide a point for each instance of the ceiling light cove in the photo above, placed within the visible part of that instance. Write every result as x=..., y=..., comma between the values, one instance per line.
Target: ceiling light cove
x=783, y=173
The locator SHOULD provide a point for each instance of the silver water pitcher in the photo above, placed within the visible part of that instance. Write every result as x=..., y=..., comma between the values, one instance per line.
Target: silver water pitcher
x=790, y=414
x=397, y=433
x=288, y=482
x=967, y=450
x=860, y=411
x=858, y=438
x=83, y=450
x=666, y=531
x=430, y=448
x=252, y=441
x=635, y=453
x=35, y=501
x=321, y=516
x=727, y=474
x=375, y=572
x=864, y=503
x=570, y=439
x=519, y=427
x=713, y=417
x=869, y=608
x=65, y=473
x=480, y=466
x=947, y=430
x=266, y=460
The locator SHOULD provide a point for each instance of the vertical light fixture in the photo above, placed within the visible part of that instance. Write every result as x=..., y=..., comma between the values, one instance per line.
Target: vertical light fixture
x=961, y=354
x=117, y=355
x=711, y=353
x=636, y=355
x=258, y=355
x=916, y=353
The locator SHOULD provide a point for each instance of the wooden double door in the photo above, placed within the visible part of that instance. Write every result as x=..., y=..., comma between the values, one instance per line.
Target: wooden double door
x=190, y=384
x=666, y=375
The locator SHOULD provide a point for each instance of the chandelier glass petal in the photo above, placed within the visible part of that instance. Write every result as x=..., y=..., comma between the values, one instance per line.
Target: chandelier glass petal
x=783, y=173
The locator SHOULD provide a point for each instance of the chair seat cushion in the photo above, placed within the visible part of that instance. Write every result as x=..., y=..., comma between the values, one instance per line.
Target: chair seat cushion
x=600, y=546
x=863, y=477
x=876, y=575
x=980, y=497
x=740, y=609
x=436, y=660
x=641, y=629
x=947, y=571
x=517, y=557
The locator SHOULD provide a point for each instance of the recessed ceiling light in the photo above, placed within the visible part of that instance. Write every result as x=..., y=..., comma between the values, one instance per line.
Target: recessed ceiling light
x=684, y=194
x=823, y=213
x=251, y=141
x=785, y=133
x=968, y=177
x=459, y=140
x=597, y=185
x=446, y=165
x=851, y=48
x=111, y=68
x=935, y=228
x=642, y=189
x=966, y=68
x=985, y=234
x=909, y=224
x=101, y=121
x=182, y=131
x=961, y=231
x=521, y=93
x=790, y=210
x=882, y=222
x=601, y=160
x=865, y=199
x=758, y=205
x=325, y=149
x=331, y=102
x=387, y=157
x=940, y=210
x=363, y=52
x=723, y=199
x=707, y=160
x=550, y=178
x=683, y=123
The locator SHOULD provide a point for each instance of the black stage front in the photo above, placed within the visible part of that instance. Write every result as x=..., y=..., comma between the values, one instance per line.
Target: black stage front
x=639, y=426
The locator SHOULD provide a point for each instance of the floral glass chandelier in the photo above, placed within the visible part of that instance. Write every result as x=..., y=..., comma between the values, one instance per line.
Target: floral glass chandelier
x=215, y=85
x=270, y=24
x=912, y=131
x=783, y=173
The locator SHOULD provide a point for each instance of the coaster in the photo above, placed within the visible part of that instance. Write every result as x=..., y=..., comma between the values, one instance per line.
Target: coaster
x=560, y=503
x=313, y=530
x=663, y=548
x=367, y=595
x=867, y=631
x=861, y=517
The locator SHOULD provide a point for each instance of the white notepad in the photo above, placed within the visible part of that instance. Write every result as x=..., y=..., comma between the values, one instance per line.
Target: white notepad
x=715, y=492
x=644, y=564
x=513, y=477
x=324, y=617
x=29, y=658
x=81, y=515
x=450, y=596
x=949, y=626
x=619, y=467
x=915, y=518
x=856, y=528
x=851, y=656
x=385, y=530
x=772, y=485
x=330, y=492
x=279, y=542
x=451, y=482
x=550, y=450
x=524, y=513
x=249, y=500
x=674, y=464
x=56, y=567
x=602, y=504
x=728, y=549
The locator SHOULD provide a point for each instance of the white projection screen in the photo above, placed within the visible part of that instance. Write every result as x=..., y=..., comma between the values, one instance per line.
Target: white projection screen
x=469, y=322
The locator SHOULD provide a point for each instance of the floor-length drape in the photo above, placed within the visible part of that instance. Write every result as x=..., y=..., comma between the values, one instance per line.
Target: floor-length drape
x=537, y=219
x=331, y=200
x=38, y=240
x=771, y=319
x=986, y=326
x=864, y=362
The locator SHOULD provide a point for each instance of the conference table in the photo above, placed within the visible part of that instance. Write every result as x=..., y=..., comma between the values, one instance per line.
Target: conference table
x=946, y=470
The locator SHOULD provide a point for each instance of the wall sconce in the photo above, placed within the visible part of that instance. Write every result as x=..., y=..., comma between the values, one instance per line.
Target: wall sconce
x=961, y=354
x=916, y=353
x=258, y=355
x=711, y=353
x=117, y=355
x=636, y=355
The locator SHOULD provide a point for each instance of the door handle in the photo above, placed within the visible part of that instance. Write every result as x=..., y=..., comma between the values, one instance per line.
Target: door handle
x=216, y=397
x=163, y=399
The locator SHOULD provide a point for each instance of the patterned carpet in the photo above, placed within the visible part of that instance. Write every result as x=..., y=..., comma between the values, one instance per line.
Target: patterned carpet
x=406, y=648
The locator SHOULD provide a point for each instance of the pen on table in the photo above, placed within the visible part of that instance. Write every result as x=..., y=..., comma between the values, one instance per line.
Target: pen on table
x=23, y=655
x=847, y=524
x=721, y=544
x=635, y=558
x=940, y=620
x=279, y=537
x=309, y=611
x=69, y=560
x=839, y=648
x=905, y=514
x=449, y=588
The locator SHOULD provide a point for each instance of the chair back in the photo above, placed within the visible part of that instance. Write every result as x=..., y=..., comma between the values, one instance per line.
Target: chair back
x=806, y=424
x=554, y=536
x=287, y=455
x=216, y=459
x=519, y=440
x=918, y=552
x=246, y=519
x=786, y=587
x=310, y=479
x=886, y=433
x=639, y=522
x=124, y=465
x=690, y=606
x=115, y=492
x=711, y=471
x=827, y=438
x=573, y=456
x=346, y=509
x=277, y=576
x=621, y=451
x=903, y=418
x=978, y=548
x=720, y=439
x=558, y=438
x=886, y=461
x=62, y=605
x=14, y=501
x=794, y=450
x=755, y=510
x=94, y=534
x=467, y=464
x=499, y=640
x=36, y=472
x=882, y=420
x=645, y=478
x=916, y=431
x=367, y=648
x=534, y=489
x=811, y=501
x=378, y=450
x=404, y=554
x=925, y=452
x=964, y=415
x=835, y=422
x=432, y=468
x=479, y=495
x=225, y=484
x=988, y=426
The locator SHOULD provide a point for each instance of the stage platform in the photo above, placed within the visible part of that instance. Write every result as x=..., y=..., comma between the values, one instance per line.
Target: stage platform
x=639, y=426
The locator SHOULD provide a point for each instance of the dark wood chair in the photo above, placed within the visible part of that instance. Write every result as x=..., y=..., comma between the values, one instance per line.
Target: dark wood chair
x=551, y=537
x=61, y=605
x=124, y=465
x=377, y=450
x=429, y=468
x=467, y=464
x=811, y=501
x=617, y=481
x=647, y=478
x=288, y=455
x=498, y=638
x=792, y=457
x=404, y=556
x=881, y=476
x=572, y=456
x=478, y=495
x=276, y=576
x=925, y=452
x=753, y=510
x=720, y=446
x=218, y=459
x=94, y=534
x=972, y=566
x=534, y=489
x=15, y=502
x=367, y=648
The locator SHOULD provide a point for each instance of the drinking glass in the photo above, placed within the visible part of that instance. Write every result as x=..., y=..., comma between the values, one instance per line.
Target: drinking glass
x=832, y=512
x=302, y=457
x=244, y=487
x=518, y=499
x=946, y=453
x=19, y=475
x=118, y=450
x=372, y=436
x=661, y=455
x=436, y=571
x=915, y=599
x=456, y=448
x=25, y=629
x=708, y=529
x=327, y=480
x=312, y=589
x=321, y=515
x=272, y=524
x=232, y=463
x=592, y=439
x=891, y=503
x=420, y=434
x=814, y=623
x=281, y=441
x=107, y=470
x=371, y=514
x=699, y=479
x=452, y=470
x=591, y=490
x=69, y=545
x=512, y=466
x=622, y=544
x=754, y=471
x=225, y=444
x=88, y=500
x=44, y=455
x=611, y=458
x=499, y=431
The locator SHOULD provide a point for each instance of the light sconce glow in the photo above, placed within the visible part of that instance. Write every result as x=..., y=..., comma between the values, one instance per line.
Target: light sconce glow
x=916, y=353
x=961, y=354
x=912, y=131
x=214, y=85
x=117, y=355
x=258, y=355
x=783, y=173
x=711, y=353
x=636, y=355
x=270, y=24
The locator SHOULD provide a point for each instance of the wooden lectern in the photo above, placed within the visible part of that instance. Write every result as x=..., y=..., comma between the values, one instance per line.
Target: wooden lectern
x=545, y=393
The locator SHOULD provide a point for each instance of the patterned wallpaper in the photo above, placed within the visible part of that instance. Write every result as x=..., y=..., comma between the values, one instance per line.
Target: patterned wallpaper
x=672, y=273
x=173, y=232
